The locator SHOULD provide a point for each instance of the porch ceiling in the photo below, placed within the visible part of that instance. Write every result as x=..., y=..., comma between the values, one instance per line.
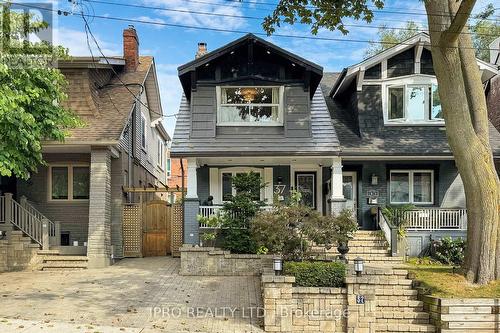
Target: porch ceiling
x=266, y=160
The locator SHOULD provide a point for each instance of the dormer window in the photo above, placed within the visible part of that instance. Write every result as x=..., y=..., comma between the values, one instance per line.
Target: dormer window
x=249, y=106
x=413, y=103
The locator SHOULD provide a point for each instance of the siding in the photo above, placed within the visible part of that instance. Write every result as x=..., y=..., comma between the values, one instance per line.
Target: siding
x=203, y=112
x=297, y=113
x=74, y=216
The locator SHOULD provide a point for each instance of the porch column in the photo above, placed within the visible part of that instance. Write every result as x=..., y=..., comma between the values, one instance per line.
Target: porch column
x=99, y=235
x=191, y=204
x=337, y=195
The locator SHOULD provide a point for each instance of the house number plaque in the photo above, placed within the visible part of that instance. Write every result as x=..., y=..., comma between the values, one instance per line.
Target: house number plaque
x=360, y=299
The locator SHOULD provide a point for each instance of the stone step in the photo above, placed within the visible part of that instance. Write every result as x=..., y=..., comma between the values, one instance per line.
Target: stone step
x=404, y=328
x=65, y=269
x=395, y=292
x=60, y=258
x=48, y=252
x=400, y=305
x=363, y=242
x=65, y=264
x=402, y=315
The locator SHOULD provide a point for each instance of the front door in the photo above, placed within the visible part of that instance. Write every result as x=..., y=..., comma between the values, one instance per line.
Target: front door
x=349, y=189
x=156, y=229
x=305, y=183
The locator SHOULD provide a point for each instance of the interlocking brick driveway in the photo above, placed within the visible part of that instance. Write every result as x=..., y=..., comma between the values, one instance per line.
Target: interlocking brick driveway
x=123, y=297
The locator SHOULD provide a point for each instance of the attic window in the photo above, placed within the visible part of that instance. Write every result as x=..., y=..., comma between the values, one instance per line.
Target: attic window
x=250, y=106
x=413, y=103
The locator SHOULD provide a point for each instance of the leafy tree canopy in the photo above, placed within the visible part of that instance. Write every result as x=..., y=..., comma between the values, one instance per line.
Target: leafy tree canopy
x=485, y=32
x=30, y=96
x=388, y=37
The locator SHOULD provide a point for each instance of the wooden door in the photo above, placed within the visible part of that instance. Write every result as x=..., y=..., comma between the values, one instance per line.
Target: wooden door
x=156, y=229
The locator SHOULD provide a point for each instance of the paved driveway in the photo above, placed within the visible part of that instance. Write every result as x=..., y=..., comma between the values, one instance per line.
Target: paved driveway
x=135, y=295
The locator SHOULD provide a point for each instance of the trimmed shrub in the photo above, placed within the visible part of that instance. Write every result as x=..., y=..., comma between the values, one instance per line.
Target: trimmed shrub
x=449, y=251
x=316, y=273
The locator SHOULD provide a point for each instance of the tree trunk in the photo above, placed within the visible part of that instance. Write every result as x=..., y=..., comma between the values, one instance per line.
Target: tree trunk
x=464, y=108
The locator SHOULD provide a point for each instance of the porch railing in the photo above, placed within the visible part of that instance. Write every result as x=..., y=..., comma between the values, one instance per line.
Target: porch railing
x=390, y=232
x=208, y=211
x=437, y=219
x=31, y=209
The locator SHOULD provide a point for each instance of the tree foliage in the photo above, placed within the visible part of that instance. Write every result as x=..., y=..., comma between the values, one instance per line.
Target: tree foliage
x=30, y=97
x=388, y=37
x=485, y=32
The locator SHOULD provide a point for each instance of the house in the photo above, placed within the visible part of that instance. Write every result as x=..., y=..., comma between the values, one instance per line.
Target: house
x=370, y=136
x=177, y=177
x=123, y=144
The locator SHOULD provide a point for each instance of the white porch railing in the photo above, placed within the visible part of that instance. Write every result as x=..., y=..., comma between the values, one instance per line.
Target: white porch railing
x=208, y=211
x=437, y=219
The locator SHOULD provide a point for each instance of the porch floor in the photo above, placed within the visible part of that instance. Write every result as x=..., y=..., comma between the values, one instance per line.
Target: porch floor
x=124, y=296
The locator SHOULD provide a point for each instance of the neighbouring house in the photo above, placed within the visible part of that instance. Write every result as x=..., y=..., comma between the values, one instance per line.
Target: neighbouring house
x=123, y=144
x=177, y=178
x=370, y=136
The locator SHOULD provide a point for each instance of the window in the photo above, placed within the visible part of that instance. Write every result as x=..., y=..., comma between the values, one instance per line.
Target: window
x=161, y=154
x=413, y=103
x=412, y=186
x=169, y=167
x=143, y=131
x=227, y=185
x=250, y=106
x=69, y=182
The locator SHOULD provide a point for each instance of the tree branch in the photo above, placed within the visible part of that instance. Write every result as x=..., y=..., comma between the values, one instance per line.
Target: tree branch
x=458, y=22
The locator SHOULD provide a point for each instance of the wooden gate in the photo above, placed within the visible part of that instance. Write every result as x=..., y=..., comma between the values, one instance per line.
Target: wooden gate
x=156, y=229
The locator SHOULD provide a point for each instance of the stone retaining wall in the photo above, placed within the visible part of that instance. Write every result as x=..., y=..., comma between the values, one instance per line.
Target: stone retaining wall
x=202, y=261
x=464, y=315
x=18, y=253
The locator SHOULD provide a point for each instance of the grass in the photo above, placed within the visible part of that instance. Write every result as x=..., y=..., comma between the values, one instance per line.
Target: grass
x=445, y=281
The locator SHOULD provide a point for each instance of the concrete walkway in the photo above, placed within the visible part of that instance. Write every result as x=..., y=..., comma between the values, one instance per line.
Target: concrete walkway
x=135, y=295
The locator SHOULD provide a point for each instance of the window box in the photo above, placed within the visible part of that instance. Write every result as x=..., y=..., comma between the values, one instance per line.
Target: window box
x=249, y=106
x=411, y=187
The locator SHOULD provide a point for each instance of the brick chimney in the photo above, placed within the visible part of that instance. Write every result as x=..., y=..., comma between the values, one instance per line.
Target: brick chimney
x=202, y=49
x=130, y=48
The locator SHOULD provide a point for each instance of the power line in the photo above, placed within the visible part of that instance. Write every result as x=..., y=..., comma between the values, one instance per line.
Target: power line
x=174, y=25
x=255, y=17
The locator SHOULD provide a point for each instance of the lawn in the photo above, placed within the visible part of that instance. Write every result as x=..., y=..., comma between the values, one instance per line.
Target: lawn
x=441, y=280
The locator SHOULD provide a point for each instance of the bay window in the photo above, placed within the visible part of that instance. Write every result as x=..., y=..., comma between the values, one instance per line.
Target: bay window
x=413, y=103
x=69, y=182
x=249, y=106
x=411, y=187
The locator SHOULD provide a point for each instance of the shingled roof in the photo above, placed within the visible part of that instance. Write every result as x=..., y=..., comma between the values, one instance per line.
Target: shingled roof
x=387, y=140
x=100, y=99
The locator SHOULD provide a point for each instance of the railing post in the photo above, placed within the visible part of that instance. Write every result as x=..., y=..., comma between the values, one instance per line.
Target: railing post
x=45, y=234
x=23, y=201
x=8, y=212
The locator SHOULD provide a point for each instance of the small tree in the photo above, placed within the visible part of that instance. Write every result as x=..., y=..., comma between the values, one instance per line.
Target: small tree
x=396, y=215
x=237, y=213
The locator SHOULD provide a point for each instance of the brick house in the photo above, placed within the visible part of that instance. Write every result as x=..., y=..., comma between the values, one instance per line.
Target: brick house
x=123, y=144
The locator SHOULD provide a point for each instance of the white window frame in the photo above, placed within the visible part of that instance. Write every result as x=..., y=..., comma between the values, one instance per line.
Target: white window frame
x=144, y=133
x=169, y=167
x=70, y=167
x=161, y=154
x=410, y=173
x=405, y=82
x=255, y=123
x=235, y=170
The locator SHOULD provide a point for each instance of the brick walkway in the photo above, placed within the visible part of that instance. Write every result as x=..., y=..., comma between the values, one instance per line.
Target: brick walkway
x=136, y=295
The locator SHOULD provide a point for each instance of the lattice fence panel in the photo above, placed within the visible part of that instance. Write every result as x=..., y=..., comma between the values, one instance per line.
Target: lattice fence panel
x=177, y=222
x=132, y=230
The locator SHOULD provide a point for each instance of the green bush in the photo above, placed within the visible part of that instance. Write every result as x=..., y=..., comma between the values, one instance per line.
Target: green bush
x=316, y=273
x=449, y=251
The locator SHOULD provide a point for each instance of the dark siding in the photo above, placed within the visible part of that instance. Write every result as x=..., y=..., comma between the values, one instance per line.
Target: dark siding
x=297, y=113
x=401, y=64
x=252, y=132
x=203, y=112
x=374, y=72
x=369, y=102
x=426, y=66
x=282, y=171
x=203, y=183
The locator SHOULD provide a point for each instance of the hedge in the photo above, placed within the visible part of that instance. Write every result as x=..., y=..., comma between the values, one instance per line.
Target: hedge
x=316, y=273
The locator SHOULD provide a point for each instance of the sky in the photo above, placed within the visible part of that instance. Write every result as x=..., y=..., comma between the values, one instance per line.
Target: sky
x=173, y=46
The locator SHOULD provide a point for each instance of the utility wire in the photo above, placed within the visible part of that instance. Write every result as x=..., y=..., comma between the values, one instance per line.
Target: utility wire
x=257, y=18
x=344, y=40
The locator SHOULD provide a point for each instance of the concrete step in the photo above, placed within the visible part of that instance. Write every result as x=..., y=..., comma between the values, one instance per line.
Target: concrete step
x=67, y=263
x=424, y=316
x=64, y=264
x=400, y=305
x=48, y=252
x=63, y=269
x=65, y=258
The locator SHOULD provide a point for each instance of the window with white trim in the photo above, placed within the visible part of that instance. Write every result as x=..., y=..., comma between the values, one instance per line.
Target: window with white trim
x=250, y=106
x=161, y=154
x=413, y=103
x=143, y=131
x=411, y=187
x=69, y=182
x=226, y=184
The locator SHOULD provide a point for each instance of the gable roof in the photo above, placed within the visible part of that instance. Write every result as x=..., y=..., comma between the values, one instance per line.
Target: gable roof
x=387, y=140
x=101, y=100
x=350, y=73
x=323, y=140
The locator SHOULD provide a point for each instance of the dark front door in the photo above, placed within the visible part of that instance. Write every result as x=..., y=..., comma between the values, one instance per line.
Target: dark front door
x=305, y=183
